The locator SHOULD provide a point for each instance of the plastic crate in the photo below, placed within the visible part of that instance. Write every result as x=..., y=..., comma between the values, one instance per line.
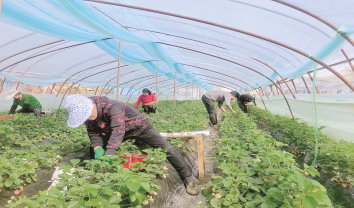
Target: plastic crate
x=133, y=158
x=6, y=117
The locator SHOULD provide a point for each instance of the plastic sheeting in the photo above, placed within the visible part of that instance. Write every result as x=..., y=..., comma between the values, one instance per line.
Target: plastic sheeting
x=35, y=25
x=333, y=111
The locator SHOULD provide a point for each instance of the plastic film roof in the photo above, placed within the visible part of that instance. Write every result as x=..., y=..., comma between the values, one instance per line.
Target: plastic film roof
x=47, y=41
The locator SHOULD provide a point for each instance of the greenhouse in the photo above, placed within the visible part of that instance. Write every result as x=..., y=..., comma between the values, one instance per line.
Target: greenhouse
x=165, y=104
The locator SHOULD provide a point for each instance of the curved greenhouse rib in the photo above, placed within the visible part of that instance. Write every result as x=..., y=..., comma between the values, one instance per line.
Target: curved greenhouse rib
x=95, y=67
x=145, y=86
x=236, y=30
x=30, y=50
x=345, y=36
x=53, y=51
x=277, y=74
x=115, y=78
x=83, y=79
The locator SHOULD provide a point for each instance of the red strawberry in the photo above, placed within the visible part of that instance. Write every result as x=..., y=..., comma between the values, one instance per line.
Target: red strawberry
x=20, y=191
x=325, y=172
x=289, y=144
x=299, y=156
x=349, y=182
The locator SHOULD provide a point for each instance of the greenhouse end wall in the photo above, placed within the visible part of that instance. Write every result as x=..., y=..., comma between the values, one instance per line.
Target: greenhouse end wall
x=336, y=112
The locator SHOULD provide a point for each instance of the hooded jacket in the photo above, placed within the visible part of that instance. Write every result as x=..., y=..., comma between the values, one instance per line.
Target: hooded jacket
x=116, y=119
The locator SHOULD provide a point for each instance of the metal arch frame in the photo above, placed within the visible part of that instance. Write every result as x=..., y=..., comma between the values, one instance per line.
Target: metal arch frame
x=235, y=30
x=81, y=80
x=126, y=27
x=239, y=65
x=150, y=77
x=30, y=50
x=345, y=36
x=145, y=86
x=53, y=51
x=140, y=82
x=95, y=67
x=238, y=80
x=82, y=71
x=219, y=79
x=115, y=78
x=277, y=74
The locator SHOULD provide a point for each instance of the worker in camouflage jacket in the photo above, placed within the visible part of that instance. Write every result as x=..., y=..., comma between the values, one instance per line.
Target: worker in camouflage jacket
x=111, y=122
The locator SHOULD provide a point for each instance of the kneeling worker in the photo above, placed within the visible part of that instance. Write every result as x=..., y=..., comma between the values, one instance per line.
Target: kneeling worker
x=243, y=99
x=110, y=122
x=219, y=96
x=28, y=103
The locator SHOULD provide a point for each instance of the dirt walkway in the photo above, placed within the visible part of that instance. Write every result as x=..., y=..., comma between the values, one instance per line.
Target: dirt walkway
x=173, y=193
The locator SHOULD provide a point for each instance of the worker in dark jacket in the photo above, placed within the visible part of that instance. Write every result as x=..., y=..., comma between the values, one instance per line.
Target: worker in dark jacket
x=28, y=103
x=219, y=96
x=110, y=122
x=244, y=99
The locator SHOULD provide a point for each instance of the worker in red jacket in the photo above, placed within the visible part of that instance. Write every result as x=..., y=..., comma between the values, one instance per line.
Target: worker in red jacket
x=147, y=98
x=110, y=122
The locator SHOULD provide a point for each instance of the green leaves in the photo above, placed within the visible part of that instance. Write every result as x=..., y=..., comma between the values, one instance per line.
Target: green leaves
x=133, y=186
x=309, y=202
x=303, y=183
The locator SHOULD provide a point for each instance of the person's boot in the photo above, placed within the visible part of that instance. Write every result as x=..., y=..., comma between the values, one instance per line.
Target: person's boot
x=191, y=186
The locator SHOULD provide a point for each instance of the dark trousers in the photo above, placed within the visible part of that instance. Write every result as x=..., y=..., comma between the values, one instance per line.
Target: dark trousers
x=210, y=107
x=242, y=105
x=153, y=138
x=35, y=111
x=148, y=109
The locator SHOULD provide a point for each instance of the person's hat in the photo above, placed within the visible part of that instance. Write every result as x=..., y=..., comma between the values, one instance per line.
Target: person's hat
x=79, y=109
x=11, y=94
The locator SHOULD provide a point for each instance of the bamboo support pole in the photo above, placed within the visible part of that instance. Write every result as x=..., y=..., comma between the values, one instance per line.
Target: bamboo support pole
x=118, y=74
x=3, y=82
x=192, y=92
x=0, y=7
x=174, y=91
x=186, y=90
x=157, y=82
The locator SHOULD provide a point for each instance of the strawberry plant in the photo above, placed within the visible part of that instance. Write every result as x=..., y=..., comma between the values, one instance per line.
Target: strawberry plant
x=33, y=143
x=256, y=174
x=335, y=158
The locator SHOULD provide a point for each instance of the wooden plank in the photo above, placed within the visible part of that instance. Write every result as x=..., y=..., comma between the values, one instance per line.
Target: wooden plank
x=201, y=165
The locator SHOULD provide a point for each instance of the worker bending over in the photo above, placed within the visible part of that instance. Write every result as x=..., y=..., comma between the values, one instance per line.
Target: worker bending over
x=110, y=122
x=219, y=96
x=244, y=99
x=28, y=103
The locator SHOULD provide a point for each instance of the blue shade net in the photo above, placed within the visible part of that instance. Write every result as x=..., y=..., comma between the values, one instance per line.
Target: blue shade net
x=78, y=21
x=333, y=45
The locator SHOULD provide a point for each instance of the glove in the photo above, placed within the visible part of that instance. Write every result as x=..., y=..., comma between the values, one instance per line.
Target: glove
x=109, y=153
x=99, y=152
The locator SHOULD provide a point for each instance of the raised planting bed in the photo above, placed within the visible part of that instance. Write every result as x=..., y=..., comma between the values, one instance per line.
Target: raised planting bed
x=256, y=174
x=335, y=160
x=33, y=143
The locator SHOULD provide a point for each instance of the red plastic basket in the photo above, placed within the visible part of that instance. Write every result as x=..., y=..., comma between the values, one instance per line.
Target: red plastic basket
x=133, y=158
x=6, y=117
